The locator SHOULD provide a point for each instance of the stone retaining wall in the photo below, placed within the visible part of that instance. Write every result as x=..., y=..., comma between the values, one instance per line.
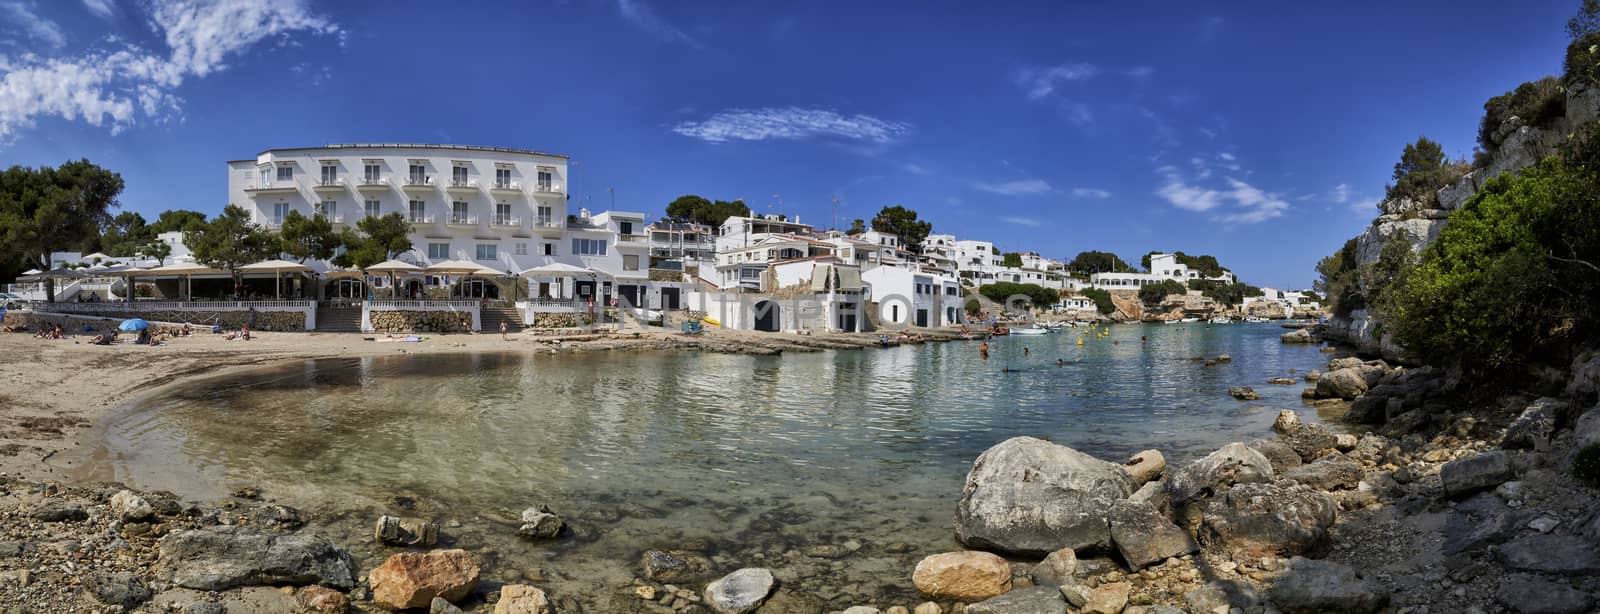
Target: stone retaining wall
x=281, y=321
x=561, y=320
x=421, y=321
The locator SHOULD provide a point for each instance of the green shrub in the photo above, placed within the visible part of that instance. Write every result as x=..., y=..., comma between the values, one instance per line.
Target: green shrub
x=1229, y=294
x=1582, y=65
x=1586, y=465
x=973, y=307
x=1038, y=295
x=1153, y=294
x=1422, y=170
x=1538, y=103
x=1102, y=300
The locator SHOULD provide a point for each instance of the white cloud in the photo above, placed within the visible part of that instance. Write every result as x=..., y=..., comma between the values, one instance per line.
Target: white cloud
x=19, y=17
x=1090, y=193
x=790, y=123
x=114, y=87
x=641, y=16
x=1226, y=156
x=1209, y=133
x=1140, y=72
x=1239, y=203
x=915, y=169
x=1341, y=193
x=1020, y=187
x=1078, y=113
x=1039, y=82
x=1258, y=206
x=104, y=9
x=1020, y=221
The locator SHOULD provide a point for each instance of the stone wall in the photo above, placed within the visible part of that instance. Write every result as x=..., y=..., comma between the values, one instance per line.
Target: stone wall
x=390, y=321
x=280, y=321
x=665, y=275
x=561, y=320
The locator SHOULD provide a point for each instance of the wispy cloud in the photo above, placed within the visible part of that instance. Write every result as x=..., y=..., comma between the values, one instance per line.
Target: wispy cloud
x=1238, y=202
x=641, y=16
x=1140, y=72
x=115, y=86
x=21, y=19
x=1020, y=221
x=1343, y=194
x=790, y=123
x=103, y=9
x=1020, y=187
x=1090, y=193
x=1226, y=156
x=1040, y=82
x=1078, y=113
x=913, y=168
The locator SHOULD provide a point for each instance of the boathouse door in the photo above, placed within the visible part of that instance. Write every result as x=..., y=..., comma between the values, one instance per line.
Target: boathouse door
x=766, y=313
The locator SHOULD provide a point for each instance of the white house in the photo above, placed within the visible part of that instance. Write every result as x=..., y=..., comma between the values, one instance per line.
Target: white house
x=1163, y=267
x=913, y=298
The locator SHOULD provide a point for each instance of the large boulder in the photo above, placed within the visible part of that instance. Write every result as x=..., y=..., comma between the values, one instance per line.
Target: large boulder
x=1331, y=472
x=1284, y=518
x=1555, y=554
x=414, y=579
x=739, y=592
x=1031, y=496
x=1278, y=454
x=1234, y=463
x=964, y=576
x=1297, y=336
x=224, y=557
x=1586, y=429
x=1529, y=594
x=1144, y=537
x=1031, y=600
x=1347, y=384
x=1309, y=440
x=1536, y=426
x=1584, y=386
x=1324, y=587
x=1474, y=473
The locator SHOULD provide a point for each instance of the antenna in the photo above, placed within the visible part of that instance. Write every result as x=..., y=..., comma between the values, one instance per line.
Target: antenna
x=835, y=223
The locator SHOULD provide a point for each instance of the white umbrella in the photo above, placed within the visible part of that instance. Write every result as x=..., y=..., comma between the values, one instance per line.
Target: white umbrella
x=391, y=267
x=461, y=267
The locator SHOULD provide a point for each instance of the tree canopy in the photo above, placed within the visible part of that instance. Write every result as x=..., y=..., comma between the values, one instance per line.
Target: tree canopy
x=1422, y=170
x=1011, y=259
x=1037, y=295
x=1098, y=262
x=1153, y=294
x=230, y=241
x=125, y=235
x=177, y=219
x=308, y=237
x=1102, y=300
x=378, y=239
x=46, y=209
x=902, y=222
x=857, y=226
x=693, y=208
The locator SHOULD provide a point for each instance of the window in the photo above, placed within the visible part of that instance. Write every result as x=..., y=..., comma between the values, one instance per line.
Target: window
x=373, y=209
x=545, y=177
x=418, y=211
x=522, y=249
x=546, y=216
x=419, y=174
x=625, y=228
x=589, y=247
x=950, y=290
x=630, y=263
x=285, y=173
x=486, y=251
x=502, y=214
x=458, y=212
x=330, y=174
x=326, y=209
x=458, y=175
x=372, y=173
x=438, y=251
x=549, y=249
x=266, y=176
x=502, y=177
x=279, y=211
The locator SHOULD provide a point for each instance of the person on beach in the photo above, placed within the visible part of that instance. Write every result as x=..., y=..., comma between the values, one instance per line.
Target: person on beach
x=503, y=331
x=216, y=327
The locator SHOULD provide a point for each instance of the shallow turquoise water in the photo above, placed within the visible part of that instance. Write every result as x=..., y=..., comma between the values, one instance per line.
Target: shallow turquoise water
x=651, y=449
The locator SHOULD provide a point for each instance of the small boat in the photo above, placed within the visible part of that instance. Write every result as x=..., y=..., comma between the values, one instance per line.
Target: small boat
x=1030, y=331
x=1255, y=319
x=1221, y=321
x=1170, y=321
x=1189, y=320
x=999, y=331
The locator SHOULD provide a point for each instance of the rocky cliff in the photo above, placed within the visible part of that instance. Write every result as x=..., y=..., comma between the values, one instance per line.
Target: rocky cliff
x=1518, y=146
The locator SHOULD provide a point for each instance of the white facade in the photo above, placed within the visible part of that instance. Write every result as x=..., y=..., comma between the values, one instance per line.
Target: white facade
x=1163, y=267
x=912, y=298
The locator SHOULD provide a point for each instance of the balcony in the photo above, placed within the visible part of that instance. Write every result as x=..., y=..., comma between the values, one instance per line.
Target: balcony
x=266, y=188
x=462, y=186
x=419, y=220
x=506, y=187
x=547, y=189
x=549, y=226
x=419, y=183
x=329, y=185
x=374, y=184
x=336, y=220
x=641, y=239
x=462, y=221
x=505, y=221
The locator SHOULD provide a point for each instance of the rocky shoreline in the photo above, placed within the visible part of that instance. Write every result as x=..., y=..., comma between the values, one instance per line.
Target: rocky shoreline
x=1437, y=510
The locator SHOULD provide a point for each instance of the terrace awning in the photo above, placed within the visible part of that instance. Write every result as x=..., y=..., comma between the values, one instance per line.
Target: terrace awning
x=275, y=266
x=557, y=269
x=461, y=267
x=393, y=266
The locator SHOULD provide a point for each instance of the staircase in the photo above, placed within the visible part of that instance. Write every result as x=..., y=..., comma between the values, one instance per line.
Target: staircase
x=338, y=319
x=492, y=316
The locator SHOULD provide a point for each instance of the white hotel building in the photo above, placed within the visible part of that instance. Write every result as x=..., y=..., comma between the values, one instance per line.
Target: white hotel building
x=506, y=209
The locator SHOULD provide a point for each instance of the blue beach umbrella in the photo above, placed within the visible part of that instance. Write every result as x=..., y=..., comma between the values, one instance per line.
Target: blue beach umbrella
x=133, y=325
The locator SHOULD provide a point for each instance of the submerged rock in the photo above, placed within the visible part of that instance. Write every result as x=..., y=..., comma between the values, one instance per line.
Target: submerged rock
x=1320, y=587
x=223, y=557
x=674, y=565
x=539, y=523
x=739, y=592
x=1031, y=496
x=1234, y=463
x=963, y=576
x=1284, y=518
x=1244, y=393
x=414, y=579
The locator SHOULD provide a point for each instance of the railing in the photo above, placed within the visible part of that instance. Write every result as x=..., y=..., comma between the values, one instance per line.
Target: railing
x=423, y=180
x=137, y=305
x=270, y=185
x=392, y=303
x=375, y=181
x=332, y=218
x=507, y=185
x=420, y=219
x=633, y=238
x=330, y=183
x=549, y=188
x=507, y=221
x=545, y=222
x=463, y=220
x=463, y=183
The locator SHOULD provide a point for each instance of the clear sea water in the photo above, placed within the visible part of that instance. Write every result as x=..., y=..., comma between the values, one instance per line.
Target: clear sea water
x=746, y=458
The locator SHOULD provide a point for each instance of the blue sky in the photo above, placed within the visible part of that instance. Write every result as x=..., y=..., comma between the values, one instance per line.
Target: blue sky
x=1261, y=132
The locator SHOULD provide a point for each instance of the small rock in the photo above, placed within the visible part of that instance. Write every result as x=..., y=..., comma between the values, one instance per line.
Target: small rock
x=966, y=576
x=1057, y=568
x=1144, y=537
x=413, y=579
x=1475, y=473
x=539, y=523
x=739, y=592
x=1313, y=586
x=59, y=511
x=522, y=599
x=130, y=507
x=1076, y=595
x=1287, y=421
x=1108, y=598
x=1145, y=466
x=322, y=600
x=440, y=606
x=1244, y=393
x=1031, y=600
x=119, y=589
x=927, y=607
x=1544, y=524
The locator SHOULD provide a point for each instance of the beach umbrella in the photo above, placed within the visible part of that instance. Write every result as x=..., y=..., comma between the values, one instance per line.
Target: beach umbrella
x=462, y=268
x=391, y=267
x=277, y=268
x=133, y=325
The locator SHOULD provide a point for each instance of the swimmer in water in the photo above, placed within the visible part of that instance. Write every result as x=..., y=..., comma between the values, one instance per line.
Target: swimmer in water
x=1060, y=362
